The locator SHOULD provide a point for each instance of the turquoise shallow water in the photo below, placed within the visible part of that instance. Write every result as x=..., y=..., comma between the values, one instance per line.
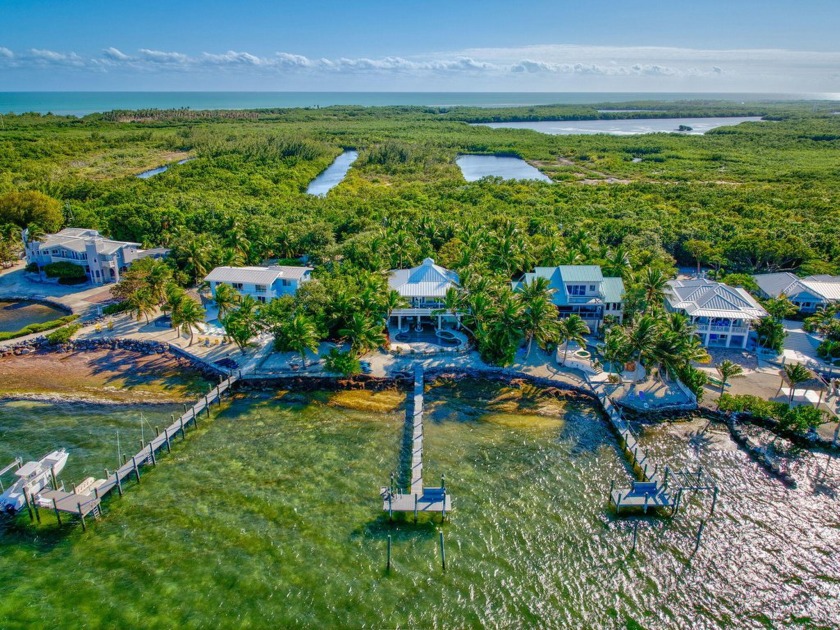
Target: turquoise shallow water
x=269, y=515
x=82, y=103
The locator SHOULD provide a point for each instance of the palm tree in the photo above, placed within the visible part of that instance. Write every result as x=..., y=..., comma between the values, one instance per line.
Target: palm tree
x=392, y=300
x=652, y=282
x=142, y=304
x=226, y=299
x=642, y=336
x=175, y=296
x=795, y=373
x=726, y=369
x=363, y=334
x=190, y=315
x=539, y=315
x=302, y=335
x=573, y=328
x=614, y=347
x=617, y=263
x=780, y=308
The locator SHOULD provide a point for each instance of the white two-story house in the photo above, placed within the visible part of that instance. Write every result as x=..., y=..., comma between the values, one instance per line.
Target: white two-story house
x=103, y=259
x=721, y=314
x=582, y=290
x=424, y=288
x=261, y=283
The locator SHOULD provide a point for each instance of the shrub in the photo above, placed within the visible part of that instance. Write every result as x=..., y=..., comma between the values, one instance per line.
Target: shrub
x=65, y=271
x=32, y=268
x=342, y=363
x=63, y=334
x=800, y=418
x=116, y=307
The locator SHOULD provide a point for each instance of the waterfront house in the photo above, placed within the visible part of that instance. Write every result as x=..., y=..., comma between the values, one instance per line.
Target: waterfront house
x=103, y=259
x=809, y=294
x=721, y=314
x=424, y=288
x=261, y=283
x=582, y=290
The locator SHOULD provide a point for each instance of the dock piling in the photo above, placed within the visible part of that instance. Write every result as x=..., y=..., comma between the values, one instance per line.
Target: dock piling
x=388, y=566
x=82, y=514
x=152, y=454
x=442, y=552
x=166, y=437
x=57, y=513
x=635, y=536
x=28, y=503
x=118, y=481
x=136, y=470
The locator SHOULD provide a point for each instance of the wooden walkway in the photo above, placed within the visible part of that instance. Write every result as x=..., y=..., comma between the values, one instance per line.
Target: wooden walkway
x=419, y=498
x=86, y=497
x=651, y=489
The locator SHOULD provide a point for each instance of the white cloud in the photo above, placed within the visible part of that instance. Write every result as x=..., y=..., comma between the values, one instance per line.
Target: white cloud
x=115, y=54
x=543, y=68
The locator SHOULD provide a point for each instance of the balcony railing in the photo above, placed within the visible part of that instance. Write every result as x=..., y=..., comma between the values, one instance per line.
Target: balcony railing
x=734, y=329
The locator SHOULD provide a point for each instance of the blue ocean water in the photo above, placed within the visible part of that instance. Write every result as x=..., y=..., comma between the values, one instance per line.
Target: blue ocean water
x=83, y=103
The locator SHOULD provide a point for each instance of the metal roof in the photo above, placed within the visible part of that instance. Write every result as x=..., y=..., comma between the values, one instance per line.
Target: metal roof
x=823, y=286
x=704, y=298
x=425, y=280
x=77, y=239
x=558, y=277
x=613, y=290
x=256, y=275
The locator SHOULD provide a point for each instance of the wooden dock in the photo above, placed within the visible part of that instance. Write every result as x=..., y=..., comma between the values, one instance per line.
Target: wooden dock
x=419, y=498
x=86, y=497
x=651, y=490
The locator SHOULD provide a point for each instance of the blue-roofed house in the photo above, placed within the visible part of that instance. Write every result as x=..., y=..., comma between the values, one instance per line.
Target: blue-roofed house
x=424, y=288
x=582, y=290
x=721, y=314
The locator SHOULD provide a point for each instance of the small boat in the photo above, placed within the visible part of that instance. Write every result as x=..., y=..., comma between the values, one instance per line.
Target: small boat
x=34, y=477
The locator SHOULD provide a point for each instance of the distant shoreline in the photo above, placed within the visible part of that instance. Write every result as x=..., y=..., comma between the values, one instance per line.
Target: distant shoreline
x=84, y=103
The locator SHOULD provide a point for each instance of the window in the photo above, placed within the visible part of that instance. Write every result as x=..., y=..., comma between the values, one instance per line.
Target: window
x=259, y=288
x=592, y=288
x=261, y=299
x=287, y=283
x=236, y=285
x=577, y=289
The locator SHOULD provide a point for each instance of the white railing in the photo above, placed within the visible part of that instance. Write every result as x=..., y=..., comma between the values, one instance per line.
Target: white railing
x=703, y=328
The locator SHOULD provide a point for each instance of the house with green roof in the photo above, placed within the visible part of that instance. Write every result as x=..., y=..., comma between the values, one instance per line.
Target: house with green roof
x=581, y=290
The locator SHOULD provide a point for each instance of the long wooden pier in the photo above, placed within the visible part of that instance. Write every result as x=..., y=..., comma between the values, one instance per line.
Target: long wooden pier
x=85, y=499
x=651, y=489
x=419, y=498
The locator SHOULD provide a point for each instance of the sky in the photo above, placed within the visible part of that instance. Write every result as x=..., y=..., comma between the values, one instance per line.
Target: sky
x=415, y=45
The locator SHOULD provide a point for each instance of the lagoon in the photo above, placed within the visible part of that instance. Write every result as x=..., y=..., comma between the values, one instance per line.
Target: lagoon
x=625, y=127
x=474, y=167
x=333, y=175
x=280, y=524
x=160, y=169
x=15, y=315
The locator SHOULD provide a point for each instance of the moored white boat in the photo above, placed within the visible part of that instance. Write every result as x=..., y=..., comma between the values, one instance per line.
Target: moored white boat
x=34, y=477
